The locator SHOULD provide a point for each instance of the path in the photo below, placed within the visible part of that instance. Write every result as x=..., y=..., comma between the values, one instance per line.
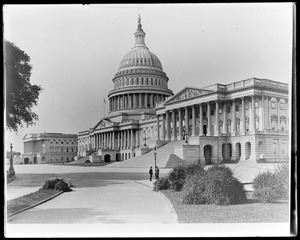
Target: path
x=114, y=202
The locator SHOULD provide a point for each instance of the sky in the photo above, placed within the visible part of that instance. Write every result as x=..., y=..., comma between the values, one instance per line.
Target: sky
x=75, y=51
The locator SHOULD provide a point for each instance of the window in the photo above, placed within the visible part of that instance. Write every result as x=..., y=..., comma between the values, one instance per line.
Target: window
x=256, y=104
x=281, y=106
x=274, y=147
x=220, y=110
x=283, y=147
x=247, y=105
x=237, y=108
x=273, y=104
x=228, y=109
x=212, y=112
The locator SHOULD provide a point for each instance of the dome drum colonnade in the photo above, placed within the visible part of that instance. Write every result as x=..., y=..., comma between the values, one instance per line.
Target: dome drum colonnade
x=140, y=82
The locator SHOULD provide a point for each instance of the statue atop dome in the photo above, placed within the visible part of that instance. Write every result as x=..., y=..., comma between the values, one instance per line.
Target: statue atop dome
x=139, y=19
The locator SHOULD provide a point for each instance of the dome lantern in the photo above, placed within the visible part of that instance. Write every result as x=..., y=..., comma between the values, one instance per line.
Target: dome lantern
x=139, y=35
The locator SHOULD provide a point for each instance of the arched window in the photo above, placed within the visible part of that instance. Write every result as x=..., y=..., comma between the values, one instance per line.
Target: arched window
x=282, y=123
x=257, y=122
x=142, y=81
x=273, y=122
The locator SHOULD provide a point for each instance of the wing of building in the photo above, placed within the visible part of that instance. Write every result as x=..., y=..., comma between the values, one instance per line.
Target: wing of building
x=244, y=120
x=49, y=148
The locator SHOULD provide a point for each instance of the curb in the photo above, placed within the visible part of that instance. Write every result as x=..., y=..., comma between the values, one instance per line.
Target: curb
x=167, y=201
x=34, y=205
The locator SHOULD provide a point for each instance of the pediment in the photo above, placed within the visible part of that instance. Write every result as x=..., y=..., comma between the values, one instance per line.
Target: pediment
x=187, y=93
x=104, y=123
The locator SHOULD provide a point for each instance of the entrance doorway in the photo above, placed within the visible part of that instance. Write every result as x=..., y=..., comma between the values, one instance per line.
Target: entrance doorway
x=238, y=151
x=34, y=160
x=208, y=154
x=118, y=157
x=226, y=152
x=248, y=150
x=26, y=161
x=107, y=158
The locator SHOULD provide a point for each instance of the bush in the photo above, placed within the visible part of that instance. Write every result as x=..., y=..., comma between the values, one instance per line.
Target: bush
x=269, y=187
x=215, y=186
x=177, y=177
x=193, y=168
x=161, y=183
x=57, y=184
x=282, y=174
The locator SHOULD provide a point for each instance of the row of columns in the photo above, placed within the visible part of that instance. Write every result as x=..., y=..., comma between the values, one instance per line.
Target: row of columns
x=123, y=139
x=135, y=100
x=166, y=127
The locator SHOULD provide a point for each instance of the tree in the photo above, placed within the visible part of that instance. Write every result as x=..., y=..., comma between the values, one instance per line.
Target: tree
x=21, y=96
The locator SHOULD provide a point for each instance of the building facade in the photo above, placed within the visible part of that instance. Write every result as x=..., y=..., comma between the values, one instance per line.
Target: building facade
x=244, y=120
x=49, y=148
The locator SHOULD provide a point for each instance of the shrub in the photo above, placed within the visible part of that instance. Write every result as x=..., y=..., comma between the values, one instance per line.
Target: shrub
x=216, y=186
x=222, y=169
x=193, y=168
x=269, y=187
x=179, y=174
x=161, y=183
x=282, y=174
x=177, y=177
x=57, y=184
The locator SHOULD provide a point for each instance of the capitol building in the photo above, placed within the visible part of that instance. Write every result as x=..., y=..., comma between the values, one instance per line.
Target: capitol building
x=246, y=120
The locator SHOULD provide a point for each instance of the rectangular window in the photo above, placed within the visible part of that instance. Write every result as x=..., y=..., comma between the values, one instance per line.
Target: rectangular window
x=274, y=147
x=246, y=105
x=273, y=105
x=281, y=106
x=256, y=104
x=228, y=109
x=237, y=108
x=283, y=147
x=220, y=110
x=212, y=112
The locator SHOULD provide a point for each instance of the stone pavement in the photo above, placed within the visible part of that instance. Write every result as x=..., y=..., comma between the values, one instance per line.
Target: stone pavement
x=118, y=202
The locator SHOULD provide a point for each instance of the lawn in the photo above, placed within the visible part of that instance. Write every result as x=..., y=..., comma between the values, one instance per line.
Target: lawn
x=23, y=202
x=250, y=212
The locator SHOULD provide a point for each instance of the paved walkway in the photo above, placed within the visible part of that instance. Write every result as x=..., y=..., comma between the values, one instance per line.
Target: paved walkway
x=118, y=202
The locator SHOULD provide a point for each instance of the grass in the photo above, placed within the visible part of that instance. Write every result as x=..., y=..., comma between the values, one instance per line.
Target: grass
x=250, y=212
x=28, y=200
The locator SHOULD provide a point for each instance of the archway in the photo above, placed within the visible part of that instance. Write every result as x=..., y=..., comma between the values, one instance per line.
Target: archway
x=247, y=150
x=87, y=161
x=226, y=152
x=118, y=157
x=122, y=156
x=107, y=158
x=34, y=160
x=208, y=154
x=238, y=151
x=125, y=156
x=26, y=161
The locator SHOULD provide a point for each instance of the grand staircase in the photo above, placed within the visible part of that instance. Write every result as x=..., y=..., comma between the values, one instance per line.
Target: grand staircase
x=165, y=158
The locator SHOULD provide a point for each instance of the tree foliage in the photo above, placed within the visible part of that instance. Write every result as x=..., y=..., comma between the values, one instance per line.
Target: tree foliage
x=21, y=96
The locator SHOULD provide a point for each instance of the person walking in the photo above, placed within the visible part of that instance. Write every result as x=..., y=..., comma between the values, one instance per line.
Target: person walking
x=151, y=173
x=156, y=172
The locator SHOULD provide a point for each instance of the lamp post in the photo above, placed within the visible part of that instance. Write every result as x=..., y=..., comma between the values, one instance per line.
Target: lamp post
x=154, y=157
x=11, y=167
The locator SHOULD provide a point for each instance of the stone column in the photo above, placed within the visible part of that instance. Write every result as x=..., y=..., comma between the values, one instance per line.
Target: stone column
x=253, y=114
x=233, y=128
x=243, y=123
x=151, y=100
x=140, y=100
x=137, y=138
x=193, y=121
x=208, y=119
x=131, y=138
x=217, y=120
x=157, y=126
x=186, y=120
x=200, y=120
x=168, y=125
x=174, y=137
x=113, y=140
x=122, y=139
x=225, y=118
x=179, y=124
x=146, y=100
x=134, y=100
x=262, y=113
x=163, y=128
